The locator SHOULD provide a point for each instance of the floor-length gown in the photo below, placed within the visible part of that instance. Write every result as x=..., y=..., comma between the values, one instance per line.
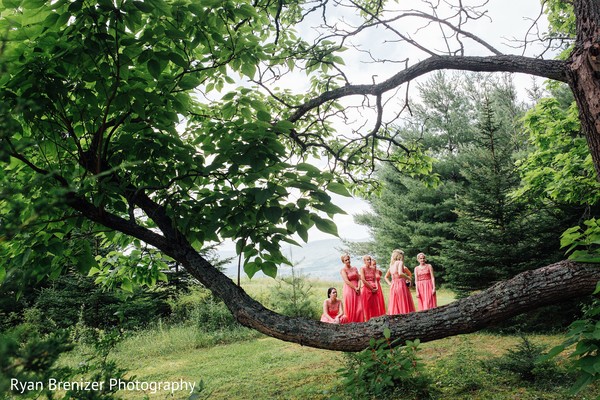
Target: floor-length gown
x=380, y=297
x=370, y=299
x=352, y=302
x=400, y=301
x=427, y=299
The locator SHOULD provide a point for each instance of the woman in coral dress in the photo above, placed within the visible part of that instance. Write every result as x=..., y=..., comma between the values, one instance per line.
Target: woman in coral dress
x=425, y=284
x=351, y=291
x=400, y=301
x=380, y=297
x=333, y=310
x=370, y=301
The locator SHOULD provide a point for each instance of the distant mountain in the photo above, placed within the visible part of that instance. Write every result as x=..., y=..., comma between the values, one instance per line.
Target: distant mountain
x=319, y=259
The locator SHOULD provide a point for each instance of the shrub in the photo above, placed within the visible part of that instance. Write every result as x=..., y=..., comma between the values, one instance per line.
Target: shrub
x=29, y=357
x=293, y=296
x=585, y=335
x=383, y=370
x=524, y=361
x=63, y=301
x=200, y=308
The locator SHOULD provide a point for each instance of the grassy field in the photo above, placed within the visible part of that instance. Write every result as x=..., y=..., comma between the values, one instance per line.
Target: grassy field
x=267, y=368
x=247, y=365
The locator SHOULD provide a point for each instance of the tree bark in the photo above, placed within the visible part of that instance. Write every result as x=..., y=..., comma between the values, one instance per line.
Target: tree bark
x=584, y=73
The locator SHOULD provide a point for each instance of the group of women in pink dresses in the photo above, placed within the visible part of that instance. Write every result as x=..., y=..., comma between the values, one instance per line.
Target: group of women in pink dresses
x=363, y=296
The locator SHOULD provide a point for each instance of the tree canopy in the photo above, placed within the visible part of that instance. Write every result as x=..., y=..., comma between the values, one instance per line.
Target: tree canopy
x=164, y=126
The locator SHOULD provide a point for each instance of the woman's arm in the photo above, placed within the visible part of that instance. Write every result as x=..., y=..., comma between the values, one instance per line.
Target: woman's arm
x=341, y=309
x=407, y=272
x=432, y=278
x=416, y=279
x=387, y=275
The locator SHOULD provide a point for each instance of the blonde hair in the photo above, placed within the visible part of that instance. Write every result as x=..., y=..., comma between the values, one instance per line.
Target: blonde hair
x=421, y=254
x=344, y=256
x=397, y=254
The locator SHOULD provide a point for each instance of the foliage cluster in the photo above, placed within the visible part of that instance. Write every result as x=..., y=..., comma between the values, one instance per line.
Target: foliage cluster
x=29, y=356
x=99, y=117
x=585, y=335
x=385, y=371
x=526, y=361
x=65, y=299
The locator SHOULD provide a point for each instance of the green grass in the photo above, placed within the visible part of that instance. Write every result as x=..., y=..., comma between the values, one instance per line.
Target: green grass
x=267, y=368
x=242, y=364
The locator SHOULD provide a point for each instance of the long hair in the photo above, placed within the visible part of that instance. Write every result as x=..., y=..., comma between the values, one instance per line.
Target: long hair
x=331, y=289
x=396, y=255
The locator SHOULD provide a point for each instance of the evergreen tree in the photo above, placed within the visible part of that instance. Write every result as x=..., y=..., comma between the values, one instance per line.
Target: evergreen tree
x=471, y=228
x=497, y=235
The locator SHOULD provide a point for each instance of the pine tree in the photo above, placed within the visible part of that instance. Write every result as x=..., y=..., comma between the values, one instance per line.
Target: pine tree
x=497, y=235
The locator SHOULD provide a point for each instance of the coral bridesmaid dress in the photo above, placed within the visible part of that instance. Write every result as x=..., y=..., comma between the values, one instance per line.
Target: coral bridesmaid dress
x=352, y=302
x=332, y=313
x=371, y=304
x=427, y=299
x=400, y=301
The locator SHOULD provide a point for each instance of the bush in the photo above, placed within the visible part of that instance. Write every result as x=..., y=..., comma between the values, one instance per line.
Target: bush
x=293, y=297
x=385, y=371
x=200, y=308
x=71, y=296
x=29, y=357
x=524, y=361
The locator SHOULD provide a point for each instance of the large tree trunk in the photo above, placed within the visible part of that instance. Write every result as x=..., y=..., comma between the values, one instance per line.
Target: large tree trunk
x=584, y=73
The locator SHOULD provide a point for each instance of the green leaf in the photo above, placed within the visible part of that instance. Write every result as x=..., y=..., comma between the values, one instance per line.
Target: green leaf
x=270, y=269
x=143, y=6
x=249, y=69
x=325, y=225
x=263, y=116
x=127, y=286
x=302, y=232
x=154, y=68
x=308, y=168
x=2, y=274
x=251, y=268
x=273, y=214
x=338, y=188
x=189, y=82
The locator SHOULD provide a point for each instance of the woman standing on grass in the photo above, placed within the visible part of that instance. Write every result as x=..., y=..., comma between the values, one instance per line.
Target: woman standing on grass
x=333, y=310
x=425, y=284
x=400, y=301
x=370, y=301
x=351, y=291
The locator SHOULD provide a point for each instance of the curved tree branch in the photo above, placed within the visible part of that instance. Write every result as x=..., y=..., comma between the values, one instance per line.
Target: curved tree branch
x=552, y=69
